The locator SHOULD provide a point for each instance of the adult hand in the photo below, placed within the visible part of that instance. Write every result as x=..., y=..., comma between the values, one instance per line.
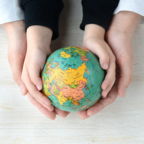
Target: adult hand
x=17, y=50
x=119, y=38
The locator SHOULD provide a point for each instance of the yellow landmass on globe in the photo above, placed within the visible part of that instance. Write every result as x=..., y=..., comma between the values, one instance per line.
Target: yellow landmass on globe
x=65, y=55
x=45, y=85
x=61, y=98
x=63, y=79
x=68, y=76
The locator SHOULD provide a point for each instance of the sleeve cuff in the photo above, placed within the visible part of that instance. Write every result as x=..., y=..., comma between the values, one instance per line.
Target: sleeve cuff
x=10, y=11
x=135, y=6
x=44, y=13
x=98, y=12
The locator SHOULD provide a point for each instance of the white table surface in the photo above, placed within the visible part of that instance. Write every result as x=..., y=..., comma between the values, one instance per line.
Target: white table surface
x=122, y=122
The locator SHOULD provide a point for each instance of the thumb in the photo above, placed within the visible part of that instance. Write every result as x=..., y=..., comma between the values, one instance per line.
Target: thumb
x=102, y=53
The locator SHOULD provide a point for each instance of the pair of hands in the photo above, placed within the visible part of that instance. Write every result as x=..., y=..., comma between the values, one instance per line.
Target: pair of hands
x=27, y=56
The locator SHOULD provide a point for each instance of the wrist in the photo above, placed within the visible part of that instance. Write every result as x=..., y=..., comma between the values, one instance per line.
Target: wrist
x=40, y=34
x=93, y=30
x=15, y=29
x=15, y=26
x=125, y=22
x=39, y=37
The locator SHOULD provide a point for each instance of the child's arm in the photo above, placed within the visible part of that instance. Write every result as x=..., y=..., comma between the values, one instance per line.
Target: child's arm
x=43, y=13
x=41, y=18
x=98, y=12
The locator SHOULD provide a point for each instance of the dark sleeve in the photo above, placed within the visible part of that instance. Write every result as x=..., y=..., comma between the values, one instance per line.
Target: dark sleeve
x=44, y=13
x=98, y=12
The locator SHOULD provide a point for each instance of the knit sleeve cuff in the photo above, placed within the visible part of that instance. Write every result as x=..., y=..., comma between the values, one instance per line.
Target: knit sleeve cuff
x=98, y=12
x=44, y=13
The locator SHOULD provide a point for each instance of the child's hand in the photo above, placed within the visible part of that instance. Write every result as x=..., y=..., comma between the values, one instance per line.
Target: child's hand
x=50, y=114
x=94, y=41
x=38, y=48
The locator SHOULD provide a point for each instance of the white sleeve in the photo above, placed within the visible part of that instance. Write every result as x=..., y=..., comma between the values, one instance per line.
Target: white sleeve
x=136, y=6
x=10, y=10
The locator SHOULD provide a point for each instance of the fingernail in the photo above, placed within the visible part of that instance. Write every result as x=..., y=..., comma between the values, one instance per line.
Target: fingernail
x=105, y=66
x=22, y=89
x=38, y=87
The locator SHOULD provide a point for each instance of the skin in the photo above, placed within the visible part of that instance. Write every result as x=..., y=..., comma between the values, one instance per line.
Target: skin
x=38, y=48
x=17, y=50
x=118, y=37
x=22, y=57
x=94, y=41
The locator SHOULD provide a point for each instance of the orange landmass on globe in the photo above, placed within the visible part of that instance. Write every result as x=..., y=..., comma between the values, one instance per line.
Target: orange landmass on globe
x=84, y=58
x=76, y=94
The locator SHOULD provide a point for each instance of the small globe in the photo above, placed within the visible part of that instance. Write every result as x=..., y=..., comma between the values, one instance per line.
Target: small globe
x=72, y=78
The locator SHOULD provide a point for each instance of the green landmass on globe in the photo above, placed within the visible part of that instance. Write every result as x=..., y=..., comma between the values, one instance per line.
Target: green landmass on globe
x=72, y=78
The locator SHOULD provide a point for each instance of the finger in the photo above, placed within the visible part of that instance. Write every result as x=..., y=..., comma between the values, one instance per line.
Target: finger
x=61, y=113
x=83, y=114
x=102, y=53
x=106, y=91
x=110, y=76
x=16, y=62
x=125, y=75
x=33, y=90
x=102, y=103
x=42, y=109
x=50, y=107
x=34, y=71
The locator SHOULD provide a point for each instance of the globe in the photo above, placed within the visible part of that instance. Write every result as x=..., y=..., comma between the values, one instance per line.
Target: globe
x=72, y=78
